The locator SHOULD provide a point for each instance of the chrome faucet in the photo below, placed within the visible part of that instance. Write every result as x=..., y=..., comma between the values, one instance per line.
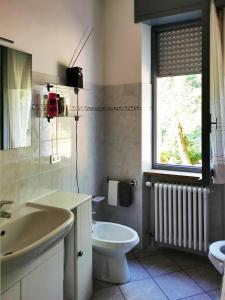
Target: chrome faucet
x=3, y=213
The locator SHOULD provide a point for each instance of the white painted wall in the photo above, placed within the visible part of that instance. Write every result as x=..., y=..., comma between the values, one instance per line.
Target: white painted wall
x=122, y=43
x=51, y=31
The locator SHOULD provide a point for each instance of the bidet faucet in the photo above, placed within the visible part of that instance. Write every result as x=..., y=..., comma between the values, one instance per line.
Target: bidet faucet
x=5, y=214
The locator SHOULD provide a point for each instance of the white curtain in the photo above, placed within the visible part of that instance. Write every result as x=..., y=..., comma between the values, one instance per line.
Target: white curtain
x=217, y=93
x=19, y=97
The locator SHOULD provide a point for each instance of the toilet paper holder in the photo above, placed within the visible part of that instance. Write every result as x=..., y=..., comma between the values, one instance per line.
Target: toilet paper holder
x=130, y=181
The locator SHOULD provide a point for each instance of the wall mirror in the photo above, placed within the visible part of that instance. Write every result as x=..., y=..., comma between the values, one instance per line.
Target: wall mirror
x=15, y=98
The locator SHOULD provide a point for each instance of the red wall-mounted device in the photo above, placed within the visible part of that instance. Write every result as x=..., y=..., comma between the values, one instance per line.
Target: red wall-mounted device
x=53, y=109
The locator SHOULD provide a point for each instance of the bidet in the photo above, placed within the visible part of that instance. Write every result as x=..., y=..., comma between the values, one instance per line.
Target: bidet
x=110, y=243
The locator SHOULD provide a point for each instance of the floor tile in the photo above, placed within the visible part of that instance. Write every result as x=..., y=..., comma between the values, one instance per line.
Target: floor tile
x=159, y=264
x=97, y=284
x=189, y=261
x=214, y=295
x=142, y=290
x=177, y=285
x=110, y=293
x=198, y=297
x=206, y=277
x=137, y=271
x=148, y=251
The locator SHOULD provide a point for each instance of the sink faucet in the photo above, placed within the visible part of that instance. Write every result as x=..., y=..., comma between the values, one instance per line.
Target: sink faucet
x=5, y=214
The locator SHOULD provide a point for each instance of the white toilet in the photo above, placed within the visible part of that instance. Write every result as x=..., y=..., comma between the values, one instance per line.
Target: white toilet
x=111, y=242
x=217, y=255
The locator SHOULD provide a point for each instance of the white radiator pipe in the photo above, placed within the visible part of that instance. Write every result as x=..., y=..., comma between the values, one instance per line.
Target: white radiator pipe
x=179, y=216
x=170, y=213
x=200, y=223
x=160, y=213
x=165, y=213
x=184, y=197
x=156, y=212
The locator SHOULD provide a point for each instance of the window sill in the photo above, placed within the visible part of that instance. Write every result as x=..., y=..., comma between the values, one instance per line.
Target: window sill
x=175, y=176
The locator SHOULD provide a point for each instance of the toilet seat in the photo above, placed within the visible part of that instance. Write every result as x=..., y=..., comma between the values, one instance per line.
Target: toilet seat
x=217, y=255
x=217, y=249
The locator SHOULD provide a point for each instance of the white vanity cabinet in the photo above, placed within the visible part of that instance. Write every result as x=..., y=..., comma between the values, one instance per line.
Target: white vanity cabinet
x=40, y=279
x=12, y=294
x=78, y=255
x=45, y=282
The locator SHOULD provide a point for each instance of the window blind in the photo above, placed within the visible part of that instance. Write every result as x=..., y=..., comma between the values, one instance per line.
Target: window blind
x=179, y=51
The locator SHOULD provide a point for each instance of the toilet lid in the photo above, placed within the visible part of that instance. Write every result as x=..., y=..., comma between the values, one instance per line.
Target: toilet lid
x=217, y=249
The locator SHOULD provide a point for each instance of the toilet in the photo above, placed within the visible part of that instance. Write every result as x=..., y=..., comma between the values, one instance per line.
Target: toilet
x=111, y=242
x=217, y=255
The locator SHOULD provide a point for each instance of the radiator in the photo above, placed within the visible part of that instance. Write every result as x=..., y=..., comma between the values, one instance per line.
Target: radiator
x=181, y=216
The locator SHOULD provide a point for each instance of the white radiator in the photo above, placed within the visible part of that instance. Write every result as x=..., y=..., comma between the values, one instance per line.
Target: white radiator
x=181, y=215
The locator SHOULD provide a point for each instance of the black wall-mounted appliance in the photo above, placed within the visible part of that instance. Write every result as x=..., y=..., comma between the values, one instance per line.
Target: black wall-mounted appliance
x=74, y=77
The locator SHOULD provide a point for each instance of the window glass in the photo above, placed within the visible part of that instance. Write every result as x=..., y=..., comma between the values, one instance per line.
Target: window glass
x=178, y=120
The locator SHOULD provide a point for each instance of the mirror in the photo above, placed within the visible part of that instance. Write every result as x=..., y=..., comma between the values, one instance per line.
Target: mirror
x=15, y=98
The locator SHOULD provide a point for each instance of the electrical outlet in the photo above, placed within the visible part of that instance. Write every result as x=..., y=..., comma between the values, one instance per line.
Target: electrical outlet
x=55, y=158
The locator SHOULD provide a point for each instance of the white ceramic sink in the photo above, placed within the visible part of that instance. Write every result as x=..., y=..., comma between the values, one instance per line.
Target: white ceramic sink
x=31, y=230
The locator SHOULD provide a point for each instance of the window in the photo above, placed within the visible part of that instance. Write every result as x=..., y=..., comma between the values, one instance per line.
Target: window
x=177, y=97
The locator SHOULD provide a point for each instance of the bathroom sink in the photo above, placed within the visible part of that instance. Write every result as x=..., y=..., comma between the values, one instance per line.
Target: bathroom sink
x=32, y=229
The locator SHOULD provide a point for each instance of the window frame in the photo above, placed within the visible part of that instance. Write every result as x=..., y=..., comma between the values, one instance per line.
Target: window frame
x=155, y=165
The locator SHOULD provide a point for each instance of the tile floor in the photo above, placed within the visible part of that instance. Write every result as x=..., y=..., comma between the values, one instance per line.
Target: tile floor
x=164, y=274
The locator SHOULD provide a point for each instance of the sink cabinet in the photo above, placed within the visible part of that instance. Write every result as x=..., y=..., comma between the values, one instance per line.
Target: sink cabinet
x=78, y=255
x=13, y=293
x=40, y=279
x=45, y=282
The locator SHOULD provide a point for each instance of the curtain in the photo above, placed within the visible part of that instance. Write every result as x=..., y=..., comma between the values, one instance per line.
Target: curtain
x=19, y=97
x=217, y=93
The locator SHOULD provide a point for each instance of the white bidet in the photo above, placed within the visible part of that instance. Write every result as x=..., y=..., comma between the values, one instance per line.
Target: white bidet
x=111, y=242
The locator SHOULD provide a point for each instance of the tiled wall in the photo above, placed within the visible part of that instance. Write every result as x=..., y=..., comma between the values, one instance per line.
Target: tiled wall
x=26, y=173
x=122, y=125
